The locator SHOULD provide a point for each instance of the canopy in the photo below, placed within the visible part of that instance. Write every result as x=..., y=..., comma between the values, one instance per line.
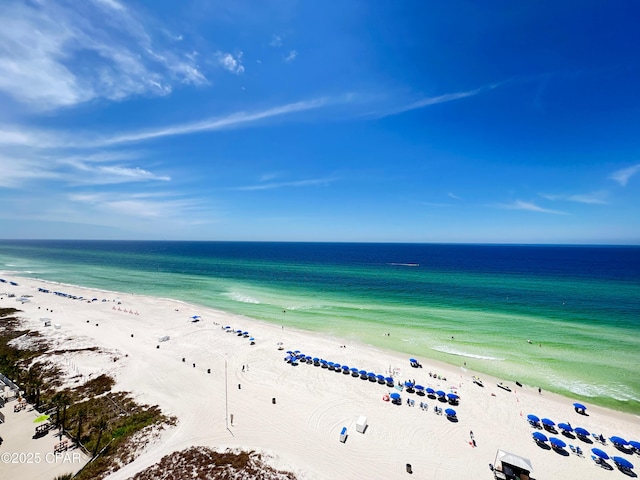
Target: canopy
x=395, y=396
x=353, y=369
x=450, y=412
x=440, y=393
x=345, y=368
x=619, y=441
x=600, y=453
x=539, y=436
x=419, y=387
x=41, y=418
x=566, y=427
x=533, y=418
x=430, y=390
x=515, y=460
x=413, y=360
x=622, y=462
x=579, y=406
x=452, y=396
x=408, y=384
x=548, y=422
x=583, y=432
x=556, y=442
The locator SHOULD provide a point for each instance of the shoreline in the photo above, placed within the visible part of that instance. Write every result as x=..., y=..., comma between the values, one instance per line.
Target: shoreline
x=312, y=404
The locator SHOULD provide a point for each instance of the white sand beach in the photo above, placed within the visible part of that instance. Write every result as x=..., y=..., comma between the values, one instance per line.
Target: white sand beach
x=296, y=413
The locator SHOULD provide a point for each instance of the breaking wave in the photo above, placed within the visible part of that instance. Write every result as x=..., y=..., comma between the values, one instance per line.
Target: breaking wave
x=452, y=351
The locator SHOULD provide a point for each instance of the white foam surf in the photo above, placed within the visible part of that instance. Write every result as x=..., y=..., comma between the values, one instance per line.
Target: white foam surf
x=453, y=351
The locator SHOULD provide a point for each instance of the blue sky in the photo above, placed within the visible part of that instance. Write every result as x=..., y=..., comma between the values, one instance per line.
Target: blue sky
x=412, y=121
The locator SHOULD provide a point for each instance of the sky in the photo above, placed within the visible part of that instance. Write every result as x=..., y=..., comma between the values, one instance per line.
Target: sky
x=292, y=120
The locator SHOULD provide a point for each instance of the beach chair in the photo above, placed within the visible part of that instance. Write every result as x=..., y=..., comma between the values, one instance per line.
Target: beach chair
x=578, y=451
x=573, y=449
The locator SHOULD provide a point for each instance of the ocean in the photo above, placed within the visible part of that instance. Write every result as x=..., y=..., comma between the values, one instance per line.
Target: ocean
x=579, y=306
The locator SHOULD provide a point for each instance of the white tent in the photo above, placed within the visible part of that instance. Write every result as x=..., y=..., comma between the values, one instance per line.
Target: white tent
x=513, y=460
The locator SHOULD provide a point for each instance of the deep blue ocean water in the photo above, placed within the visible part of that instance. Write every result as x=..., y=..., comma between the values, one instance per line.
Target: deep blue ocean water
x=579, y=305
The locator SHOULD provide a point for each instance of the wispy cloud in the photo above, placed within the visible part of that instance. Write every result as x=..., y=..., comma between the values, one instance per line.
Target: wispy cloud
x=59, y=54
x=276, y=41
x=230, y=63
x=599, y=197
x=529, y=206
x=453, y=195
x=291, y=56
x=623, y=175
x=50, y=139
x=297, y=183
x=139, y=205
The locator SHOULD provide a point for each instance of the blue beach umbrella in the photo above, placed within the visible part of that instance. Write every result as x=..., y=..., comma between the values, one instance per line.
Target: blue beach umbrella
x=354, y=369
x=430, y=390
x=395, y=396
x=565, y=426
x=380, y=377
x=452, y=396
x=539, y=437
x=533, y=418
x=450, y=412
x=579, y=406
x=556, y=442
x=413, y=360
x=600, y=453
x=389, y=381
x=548, y=422
x=634, y=444
x=408, y=384
x=345, y=368
x=619, y=441
x=622, y=462
x=582, y=432
x=419, y=388
x=440, y=393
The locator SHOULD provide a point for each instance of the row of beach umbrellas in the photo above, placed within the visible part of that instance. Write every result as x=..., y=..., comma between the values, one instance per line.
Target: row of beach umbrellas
x=560, y=444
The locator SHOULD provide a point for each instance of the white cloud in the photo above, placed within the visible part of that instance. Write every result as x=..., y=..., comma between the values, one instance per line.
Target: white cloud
x=454, y=196
x=141, y=205
x=60, y=54
x=276, y=41
x=297, y=183
x=291, y=56
x=623, y=175
x=444, y=98
x=599, y=197
x=51, y=139
x=529, y=206
x=231, y=63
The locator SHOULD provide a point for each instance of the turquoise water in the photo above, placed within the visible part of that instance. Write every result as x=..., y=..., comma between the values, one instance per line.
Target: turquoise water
x=579, y=306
